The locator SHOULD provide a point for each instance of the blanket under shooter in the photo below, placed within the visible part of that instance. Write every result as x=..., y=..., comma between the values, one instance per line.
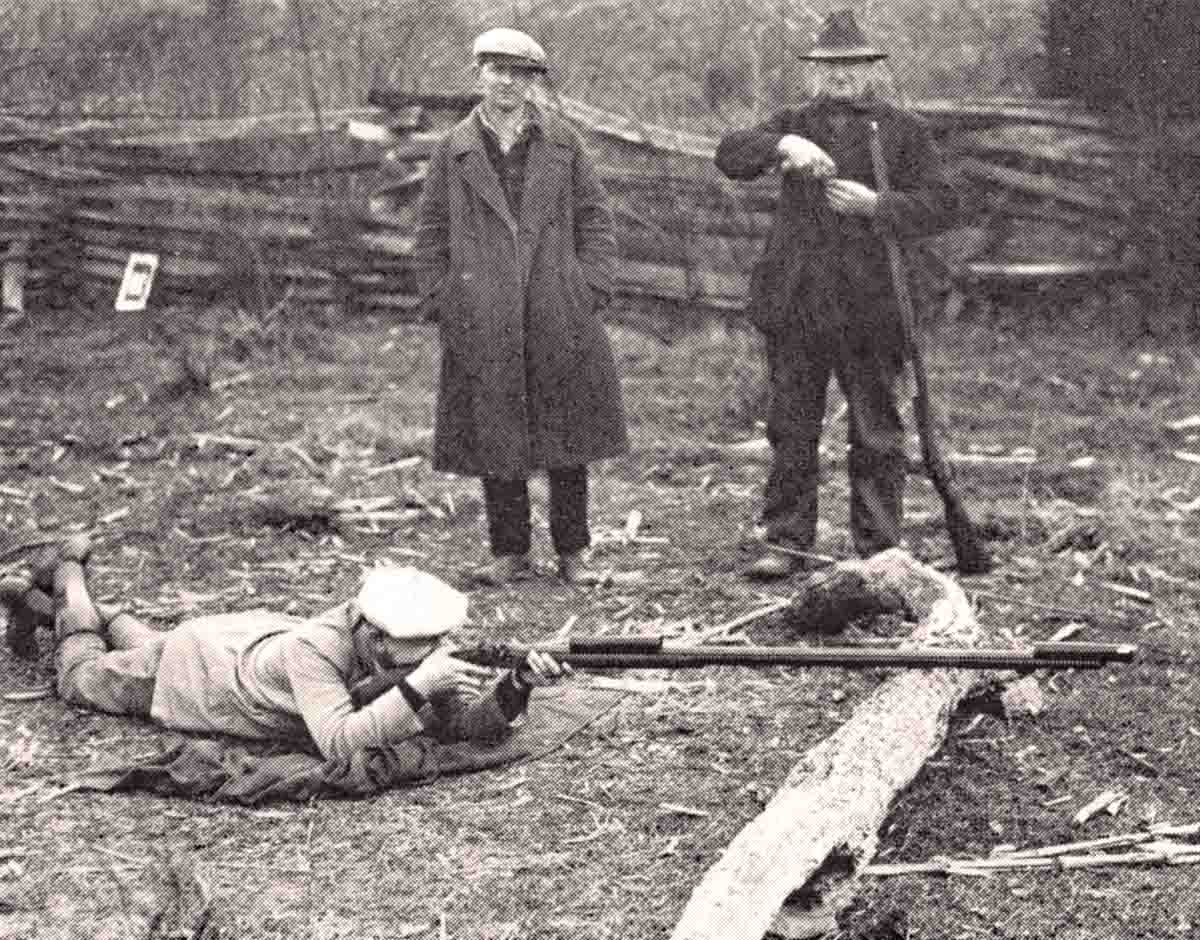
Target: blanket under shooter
x=251, y=774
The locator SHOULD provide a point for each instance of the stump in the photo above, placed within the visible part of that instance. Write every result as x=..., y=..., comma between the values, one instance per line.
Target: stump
x=834, y=801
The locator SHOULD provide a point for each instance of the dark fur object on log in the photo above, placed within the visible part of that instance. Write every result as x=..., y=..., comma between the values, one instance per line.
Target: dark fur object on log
x=832, y=599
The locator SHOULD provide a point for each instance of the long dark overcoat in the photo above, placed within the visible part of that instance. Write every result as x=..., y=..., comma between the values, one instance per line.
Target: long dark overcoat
x=528, y=379
x=822, y=273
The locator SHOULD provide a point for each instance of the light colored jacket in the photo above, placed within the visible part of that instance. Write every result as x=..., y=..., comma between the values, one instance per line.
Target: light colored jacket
x=269, y=676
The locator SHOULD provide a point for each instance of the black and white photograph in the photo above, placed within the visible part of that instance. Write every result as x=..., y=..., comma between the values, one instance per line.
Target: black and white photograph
x=599, y=470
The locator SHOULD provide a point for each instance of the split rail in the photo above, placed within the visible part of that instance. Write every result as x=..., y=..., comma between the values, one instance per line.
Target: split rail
x=271, y=210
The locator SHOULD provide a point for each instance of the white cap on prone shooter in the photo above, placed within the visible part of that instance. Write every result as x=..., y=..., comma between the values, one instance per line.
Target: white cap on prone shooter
x=409, y=604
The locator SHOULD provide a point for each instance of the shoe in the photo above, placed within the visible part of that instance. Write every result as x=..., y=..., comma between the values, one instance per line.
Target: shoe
x=505, y=569
x=773, y=566
x=28, y=609
x=573, y=568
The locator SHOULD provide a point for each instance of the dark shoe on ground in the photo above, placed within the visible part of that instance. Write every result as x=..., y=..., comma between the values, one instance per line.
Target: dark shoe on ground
x=28, y=609
x=505, y=569
x=574, y=568
x=773, y=566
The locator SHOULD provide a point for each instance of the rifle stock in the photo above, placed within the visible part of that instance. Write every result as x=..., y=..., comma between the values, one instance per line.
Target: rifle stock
x=969, y=551
x=655, y=652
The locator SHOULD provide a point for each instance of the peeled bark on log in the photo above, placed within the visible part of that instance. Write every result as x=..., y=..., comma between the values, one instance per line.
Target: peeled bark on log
x=837, y=797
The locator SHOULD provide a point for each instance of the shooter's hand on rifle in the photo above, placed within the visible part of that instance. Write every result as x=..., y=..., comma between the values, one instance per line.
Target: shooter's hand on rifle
x=442, y=673
x=800, y=155
x=847, y=197
x=541, y=670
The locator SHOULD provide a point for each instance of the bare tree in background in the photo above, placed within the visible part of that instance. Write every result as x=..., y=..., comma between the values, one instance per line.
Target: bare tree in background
x=225, y=24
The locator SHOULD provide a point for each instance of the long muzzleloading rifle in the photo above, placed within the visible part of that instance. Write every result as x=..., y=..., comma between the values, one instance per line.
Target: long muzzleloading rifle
x=656, y=652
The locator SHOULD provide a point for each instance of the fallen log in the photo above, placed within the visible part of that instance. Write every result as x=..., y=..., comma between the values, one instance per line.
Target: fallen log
x=834, y=801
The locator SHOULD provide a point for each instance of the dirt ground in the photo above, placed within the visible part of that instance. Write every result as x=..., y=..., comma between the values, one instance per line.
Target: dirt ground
x=307, y=462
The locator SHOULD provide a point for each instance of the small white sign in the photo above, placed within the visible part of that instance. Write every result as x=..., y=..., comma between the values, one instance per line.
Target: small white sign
x=138, y=279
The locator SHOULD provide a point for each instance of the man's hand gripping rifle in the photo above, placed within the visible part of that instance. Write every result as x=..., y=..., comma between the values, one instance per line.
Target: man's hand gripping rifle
x=656, y=652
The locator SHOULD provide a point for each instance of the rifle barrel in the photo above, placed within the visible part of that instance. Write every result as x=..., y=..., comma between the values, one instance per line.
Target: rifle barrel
x=653, y=653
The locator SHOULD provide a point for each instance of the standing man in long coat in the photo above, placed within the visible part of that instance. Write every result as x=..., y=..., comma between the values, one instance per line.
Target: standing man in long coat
x=822, y=295
x=515, y=256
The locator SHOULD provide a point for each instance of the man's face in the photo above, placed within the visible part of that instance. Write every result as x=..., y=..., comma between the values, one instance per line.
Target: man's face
x=387, y=652
x=405, y=652
x=505, y=86
x=843, y=81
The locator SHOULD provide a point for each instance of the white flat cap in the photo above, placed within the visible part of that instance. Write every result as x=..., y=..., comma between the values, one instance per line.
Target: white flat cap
x=510, y=44
x=409, y=604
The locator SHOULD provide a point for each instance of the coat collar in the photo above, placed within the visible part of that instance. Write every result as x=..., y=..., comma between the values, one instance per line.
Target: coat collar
x=466, y=146
x=547, y=147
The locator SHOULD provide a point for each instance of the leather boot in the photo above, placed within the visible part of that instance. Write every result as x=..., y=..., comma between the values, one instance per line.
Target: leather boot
x=28, y=609
x=573, y=567
x=784, y=560
x=773, y=566
x=506, y=569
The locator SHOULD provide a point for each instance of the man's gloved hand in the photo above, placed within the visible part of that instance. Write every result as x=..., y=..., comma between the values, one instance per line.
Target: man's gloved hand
x=846, y=197
x=800, y=155
x=441, y=673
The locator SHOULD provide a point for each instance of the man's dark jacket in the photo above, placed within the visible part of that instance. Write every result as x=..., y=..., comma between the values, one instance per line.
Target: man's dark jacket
x=528, y=377
x=817, y=263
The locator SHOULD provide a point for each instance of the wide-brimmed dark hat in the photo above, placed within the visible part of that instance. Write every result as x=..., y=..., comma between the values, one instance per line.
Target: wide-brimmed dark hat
x=842, y=40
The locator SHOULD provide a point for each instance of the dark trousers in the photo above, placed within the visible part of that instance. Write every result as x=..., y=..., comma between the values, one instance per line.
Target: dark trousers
x=508, y=512
x=799, y=376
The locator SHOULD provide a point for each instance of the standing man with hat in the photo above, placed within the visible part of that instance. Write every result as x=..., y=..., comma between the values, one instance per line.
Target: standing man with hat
x=515, y=256
x=268, y=676
x=822, y=295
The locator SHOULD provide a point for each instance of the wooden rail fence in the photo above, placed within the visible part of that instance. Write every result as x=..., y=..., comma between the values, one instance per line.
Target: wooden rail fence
x=271, y=208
